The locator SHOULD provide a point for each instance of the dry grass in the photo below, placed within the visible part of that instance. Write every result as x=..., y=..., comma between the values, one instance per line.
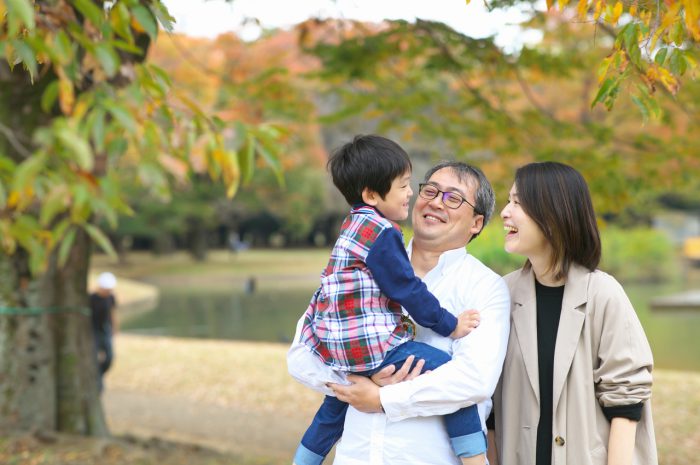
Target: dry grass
x=247, y=375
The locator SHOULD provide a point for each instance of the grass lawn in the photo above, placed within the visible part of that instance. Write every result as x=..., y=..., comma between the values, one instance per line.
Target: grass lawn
x=676, y=396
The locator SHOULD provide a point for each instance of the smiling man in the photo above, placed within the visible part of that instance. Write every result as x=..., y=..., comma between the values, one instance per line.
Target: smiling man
x=403, y=423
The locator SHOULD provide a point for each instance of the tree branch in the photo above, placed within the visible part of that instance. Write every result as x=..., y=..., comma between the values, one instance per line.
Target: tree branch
x=14, y=141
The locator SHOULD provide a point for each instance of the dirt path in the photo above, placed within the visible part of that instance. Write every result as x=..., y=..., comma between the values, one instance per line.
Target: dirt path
x=270, y=438
x=230, y=396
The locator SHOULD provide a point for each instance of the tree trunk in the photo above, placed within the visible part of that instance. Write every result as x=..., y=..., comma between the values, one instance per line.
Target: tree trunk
x=48, y=372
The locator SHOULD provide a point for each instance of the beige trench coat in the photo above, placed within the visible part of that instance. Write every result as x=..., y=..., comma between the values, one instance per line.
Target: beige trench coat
x=601, y=358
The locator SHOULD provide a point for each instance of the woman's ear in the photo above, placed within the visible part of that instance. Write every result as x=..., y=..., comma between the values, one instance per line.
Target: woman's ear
x=370, y=197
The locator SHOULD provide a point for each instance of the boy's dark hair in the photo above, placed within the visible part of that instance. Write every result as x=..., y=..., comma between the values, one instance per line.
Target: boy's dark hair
x=557, y=198
x=367, y=162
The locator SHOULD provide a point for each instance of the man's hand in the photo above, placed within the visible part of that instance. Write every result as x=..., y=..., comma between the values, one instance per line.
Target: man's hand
x=466, y=322
x=389, y=374
x=362, y=394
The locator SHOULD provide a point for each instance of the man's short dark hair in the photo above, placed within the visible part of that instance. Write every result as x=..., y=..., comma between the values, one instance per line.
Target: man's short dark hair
x=485, y=199
x=367, y=162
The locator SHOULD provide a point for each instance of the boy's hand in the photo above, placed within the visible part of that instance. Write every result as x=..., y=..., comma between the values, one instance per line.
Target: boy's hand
x=466, y=322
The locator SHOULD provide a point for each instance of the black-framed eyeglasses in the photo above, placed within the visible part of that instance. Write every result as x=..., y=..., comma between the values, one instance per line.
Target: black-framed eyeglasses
x=450, y=199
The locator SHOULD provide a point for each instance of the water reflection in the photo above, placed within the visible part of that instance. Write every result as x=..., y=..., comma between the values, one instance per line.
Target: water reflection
x=272, y=315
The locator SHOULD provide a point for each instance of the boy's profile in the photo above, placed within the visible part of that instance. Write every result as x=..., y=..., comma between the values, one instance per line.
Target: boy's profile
x=354, y=322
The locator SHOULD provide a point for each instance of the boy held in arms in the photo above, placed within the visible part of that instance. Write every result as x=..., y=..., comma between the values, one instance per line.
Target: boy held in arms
x=355, y=322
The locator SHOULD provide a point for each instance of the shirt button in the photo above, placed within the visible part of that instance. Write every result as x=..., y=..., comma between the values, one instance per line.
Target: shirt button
x=559, y=441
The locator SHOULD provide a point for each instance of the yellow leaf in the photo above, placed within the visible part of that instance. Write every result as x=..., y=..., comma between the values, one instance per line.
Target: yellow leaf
x=563, y=3
x=598, y=9
x=550, y=3
x=668, y=80
x=582, y=9
x=692, y=18
x=633, y=10
x=66, y=94
x=13, y=199
x=617, y=11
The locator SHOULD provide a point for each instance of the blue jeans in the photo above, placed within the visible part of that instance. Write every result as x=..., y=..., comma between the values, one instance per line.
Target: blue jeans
x=463, y=426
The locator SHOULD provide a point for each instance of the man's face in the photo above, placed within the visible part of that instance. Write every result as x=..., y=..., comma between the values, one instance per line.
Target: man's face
x=449, y=228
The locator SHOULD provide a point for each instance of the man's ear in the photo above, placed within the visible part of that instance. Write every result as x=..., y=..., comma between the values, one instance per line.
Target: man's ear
x=477, y=225
x=370, y=197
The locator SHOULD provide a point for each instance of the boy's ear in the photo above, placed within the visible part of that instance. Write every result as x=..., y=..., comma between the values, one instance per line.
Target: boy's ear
x=369, y=196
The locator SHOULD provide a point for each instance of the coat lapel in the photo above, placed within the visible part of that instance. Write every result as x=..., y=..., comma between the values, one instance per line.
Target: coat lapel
x=525, y=325
x=570, y=326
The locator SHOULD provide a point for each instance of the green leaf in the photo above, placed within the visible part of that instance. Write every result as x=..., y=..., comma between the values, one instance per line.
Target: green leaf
x=90, y=11
x=20, y=10
x=247, y=159
x=108, y=58
x=163, y=15
x=80, y=210
x=642, y=108
x=48, y=98
x=65, y=247
x=273, y=162
x=119, y=18
x=660, y=56
x=27, y=55
x=145, y=18
x=127, y=47
x=27, y=171
x=54, y=204
x=77, y=146
x=677, y=64
x=122, y=115
x=603, y=91
x=97, y=129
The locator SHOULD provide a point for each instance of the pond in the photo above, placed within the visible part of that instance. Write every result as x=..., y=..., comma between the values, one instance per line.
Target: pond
x=271, y=315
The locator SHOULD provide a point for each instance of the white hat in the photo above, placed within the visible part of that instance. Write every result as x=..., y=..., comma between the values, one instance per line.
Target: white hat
x=107, y=281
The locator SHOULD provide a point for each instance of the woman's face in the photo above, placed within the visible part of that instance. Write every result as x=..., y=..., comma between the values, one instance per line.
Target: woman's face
x=523, y=236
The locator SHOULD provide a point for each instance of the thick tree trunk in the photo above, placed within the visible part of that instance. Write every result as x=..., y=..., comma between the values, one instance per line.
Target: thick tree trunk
x=48, y=374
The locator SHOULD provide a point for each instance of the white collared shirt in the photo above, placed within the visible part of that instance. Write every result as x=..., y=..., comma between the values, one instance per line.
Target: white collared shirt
x=412, y=432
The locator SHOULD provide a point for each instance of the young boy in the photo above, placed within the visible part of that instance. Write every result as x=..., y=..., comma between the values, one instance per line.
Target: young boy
x=354, y=322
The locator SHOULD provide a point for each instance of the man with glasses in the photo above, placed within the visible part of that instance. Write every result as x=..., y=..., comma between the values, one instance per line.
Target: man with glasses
x=455, y=202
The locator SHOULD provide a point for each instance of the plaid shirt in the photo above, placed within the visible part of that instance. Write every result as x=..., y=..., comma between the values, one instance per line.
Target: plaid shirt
x=350, y=323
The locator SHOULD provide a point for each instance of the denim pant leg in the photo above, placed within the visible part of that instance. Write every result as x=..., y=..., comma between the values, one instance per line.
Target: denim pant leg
x=325, y=430
x=464, y=425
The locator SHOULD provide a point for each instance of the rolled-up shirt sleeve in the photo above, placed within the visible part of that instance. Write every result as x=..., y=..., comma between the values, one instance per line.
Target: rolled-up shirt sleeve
x=472, y=374
x=308, y=369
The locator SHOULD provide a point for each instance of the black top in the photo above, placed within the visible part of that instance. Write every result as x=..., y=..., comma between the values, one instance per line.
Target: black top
x=101, y=312
x=549, y=300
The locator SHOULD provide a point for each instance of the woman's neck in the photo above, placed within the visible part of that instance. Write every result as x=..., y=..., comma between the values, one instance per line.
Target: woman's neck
x=545, y=273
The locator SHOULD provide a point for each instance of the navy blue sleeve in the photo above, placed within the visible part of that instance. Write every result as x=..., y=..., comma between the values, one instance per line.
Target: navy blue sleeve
x=391, y=269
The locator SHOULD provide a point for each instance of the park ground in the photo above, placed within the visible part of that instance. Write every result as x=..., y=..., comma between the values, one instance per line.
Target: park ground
x=209, y=402
x=196, y=402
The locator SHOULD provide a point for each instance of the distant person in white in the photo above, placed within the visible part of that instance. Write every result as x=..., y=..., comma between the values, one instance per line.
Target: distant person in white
x=407, y=427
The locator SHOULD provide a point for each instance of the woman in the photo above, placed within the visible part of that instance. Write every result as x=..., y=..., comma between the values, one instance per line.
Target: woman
x=576, y=382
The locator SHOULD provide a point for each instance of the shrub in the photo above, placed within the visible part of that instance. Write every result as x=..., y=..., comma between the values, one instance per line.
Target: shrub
x=638, y=254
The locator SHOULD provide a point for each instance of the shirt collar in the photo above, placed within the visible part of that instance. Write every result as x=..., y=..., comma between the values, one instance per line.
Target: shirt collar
x=364, y=208
x=446, y=259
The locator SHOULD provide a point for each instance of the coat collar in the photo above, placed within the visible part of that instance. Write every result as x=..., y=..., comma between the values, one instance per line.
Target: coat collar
x=524, y=317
